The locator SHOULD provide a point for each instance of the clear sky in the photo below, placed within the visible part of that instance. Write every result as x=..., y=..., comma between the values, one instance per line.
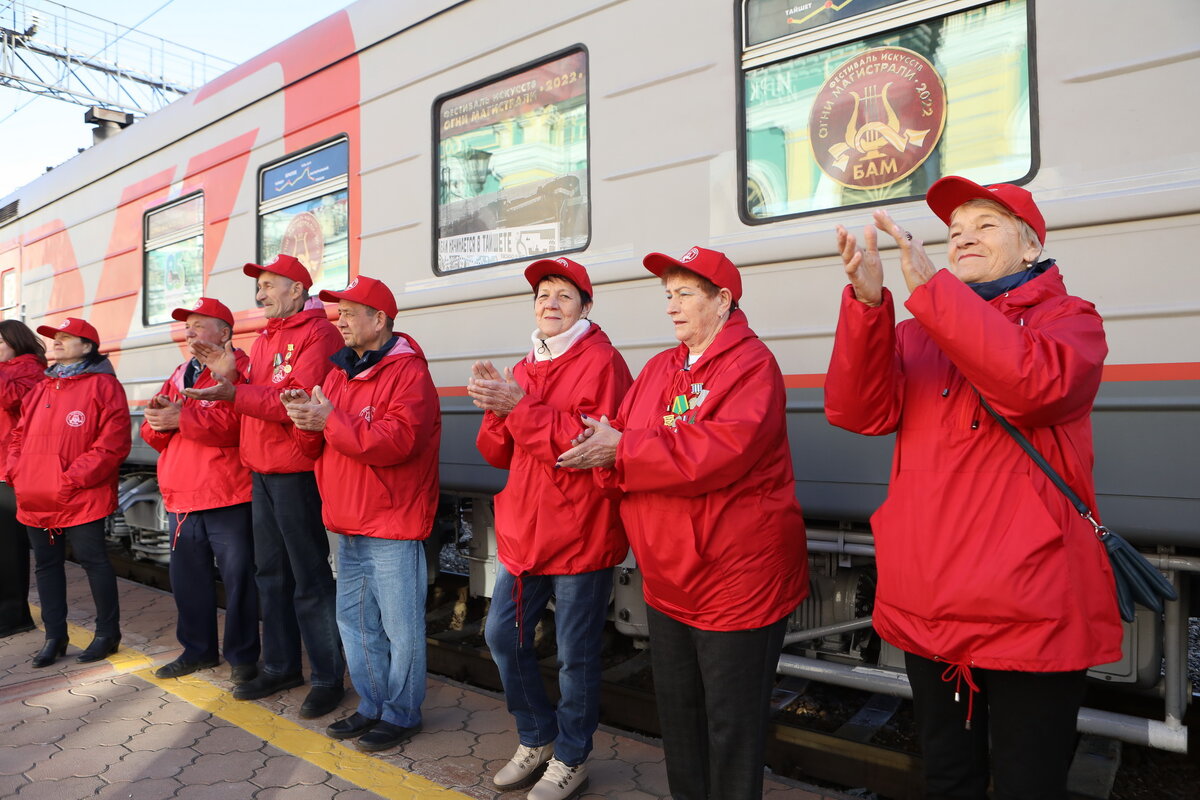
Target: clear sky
x=47, y=132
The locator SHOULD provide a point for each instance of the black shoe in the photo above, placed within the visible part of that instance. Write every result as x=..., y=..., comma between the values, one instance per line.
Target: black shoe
x=385, y=736
x=351, y=727
x=12, y=630
x=101, y=647
x=51, y=651
x=178, y=668
x=242, y=674
x=266, y=685
x=321, y=700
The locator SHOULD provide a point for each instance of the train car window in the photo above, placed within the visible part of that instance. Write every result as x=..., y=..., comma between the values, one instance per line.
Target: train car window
x=304, y=211
x=876, y=106
x=8, y=294
x=511, y=178
x=174, y=258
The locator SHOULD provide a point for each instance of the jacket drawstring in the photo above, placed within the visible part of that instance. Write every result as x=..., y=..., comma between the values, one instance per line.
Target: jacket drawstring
x=518, y=590
x=178, y=528
x=52, y=532
x=959, y=673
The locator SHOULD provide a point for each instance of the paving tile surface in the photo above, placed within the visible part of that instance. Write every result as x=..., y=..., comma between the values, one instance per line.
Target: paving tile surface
x=109, y=730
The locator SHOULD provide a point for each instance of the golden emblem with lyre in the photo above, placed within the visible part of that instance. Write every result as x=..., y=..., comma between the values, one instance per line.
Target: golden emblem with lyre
x=880, y=128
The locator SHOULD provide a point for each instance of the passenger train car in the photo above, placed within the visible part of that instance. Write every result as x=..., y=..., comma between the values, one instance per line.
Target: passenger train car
x=443, y=145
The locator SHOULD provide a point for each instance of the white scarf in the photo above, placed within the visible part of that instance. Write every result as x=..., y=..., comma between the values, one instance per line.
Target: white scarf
x=555, y=346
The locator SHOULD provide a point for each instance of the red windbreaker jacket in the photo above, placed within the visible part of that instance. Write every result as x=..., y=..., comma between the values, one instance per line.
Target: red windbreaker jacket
x=65, y=452
x=556, y=521
x=200, y=465
x=289, y=353
x=982, y=561
x=18, y=376
x=377, y=459
x=710, y=502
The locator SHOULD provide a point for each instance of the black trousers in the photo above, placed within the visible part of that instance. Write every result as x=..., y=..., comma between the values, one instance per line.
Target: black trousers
x=87, y=542
x=295, y=584
x=14, y=564
x=224, y=535
x=1029, y=718
x=714, y=693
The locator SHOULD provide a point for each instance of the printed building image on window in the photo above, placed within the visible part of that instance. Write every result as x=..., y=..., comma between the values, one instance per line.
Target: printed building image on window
x=512, y=167
x=884, y=117
x=304, y=212
x=174, y=240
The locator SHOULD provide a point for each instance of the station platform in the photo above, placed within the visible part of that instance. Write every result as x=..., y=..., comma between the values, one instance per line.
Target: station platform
x=113, y=730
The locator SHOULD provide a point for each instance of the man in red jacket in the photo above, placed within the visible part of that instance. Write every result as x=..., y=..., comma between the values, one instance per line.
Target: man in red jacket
x=206, y=491
x=295, y=584
x=374, y=429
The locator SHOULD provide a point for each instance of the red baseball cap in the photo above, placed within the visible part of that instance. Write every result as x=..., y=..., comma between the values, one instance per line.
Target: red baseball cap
x=208, y=307
x=573, y=271
x=368, y=291
x=76, y=327
x=952, y=191
x=285, y=265
x=708, y=263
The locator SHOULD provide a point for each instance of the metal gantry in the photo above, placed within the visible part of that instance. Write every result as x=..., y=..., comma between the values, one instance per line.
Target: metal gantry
x=54, y=51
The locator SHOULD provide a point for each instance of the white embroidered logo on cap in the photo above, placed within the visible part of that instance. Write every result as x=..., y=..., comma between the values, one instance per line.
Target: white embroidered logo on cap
x=76, y=419
x=562, y=262
x=199, y=303
x=367, y=413
x=353, y=283
x=691, y=255
x=64, y=324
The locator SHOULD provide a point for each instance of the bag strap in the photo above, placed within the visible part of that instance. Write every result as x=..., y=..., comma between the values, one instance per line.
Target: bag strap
x=1044, y=465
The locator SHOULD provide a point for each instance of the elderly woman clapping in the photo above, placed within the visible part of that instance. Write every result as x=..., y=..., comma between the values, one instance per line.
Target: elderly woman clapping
x=700, y=449
x=997, y=591
x=557, y=534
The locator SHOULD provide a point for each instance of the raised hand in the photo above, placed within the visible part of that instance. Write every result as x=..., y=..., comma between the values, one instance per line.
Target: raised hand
x=162, y=414
x=311, y=415
x=863, y=266
x=914, y=262
x=219, y=360
x=491, y=391
x=224, y=390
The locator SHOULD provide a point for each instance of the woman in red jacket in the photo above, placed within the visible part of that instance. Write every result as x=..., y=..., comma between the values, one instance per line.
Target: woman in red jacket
x=63, y=461
x=700, y=449
x=556, y=533
x=22, y=361
x=995, y=588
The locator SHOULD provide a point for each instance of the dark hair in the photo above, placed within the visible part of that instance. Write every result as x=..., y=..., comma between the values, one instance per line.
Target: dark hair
x=22, y=340
x=709, y=288
x=94, y=356
x=584, y=297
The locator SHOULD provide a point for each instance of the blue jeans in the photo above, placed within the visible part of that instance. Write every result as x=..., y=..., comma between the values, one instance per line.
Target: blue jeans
x=223, y=534
x=295, y=585
x=381, y=615
x=580, y=607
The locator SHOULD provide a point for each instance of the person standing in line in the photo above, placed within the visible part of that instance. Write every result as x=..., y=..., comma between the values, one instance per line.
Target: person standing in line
x=557, y=533
x=291, y=550
x=22, y=363
x=374, y=427
x=206, y=491
x=78, y=417
x=997, y=591
x=700, y=450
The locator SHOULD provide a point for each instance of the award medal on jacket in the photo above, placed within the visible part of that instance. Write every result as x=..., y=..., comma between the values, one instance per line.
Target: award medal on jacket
x=684, y=406
x=281, y=364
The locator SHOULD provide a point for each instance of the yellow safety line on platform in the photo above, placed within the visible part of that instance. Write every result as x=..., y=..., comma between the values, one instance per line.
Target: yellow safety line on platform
x=364, y=771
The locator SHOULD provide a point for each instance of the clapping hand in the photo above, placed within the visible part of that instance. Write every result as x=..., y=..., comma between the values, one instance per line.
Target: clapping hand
x=223, y=390
x=162, y=414
x=307, y=413
x=492, y=391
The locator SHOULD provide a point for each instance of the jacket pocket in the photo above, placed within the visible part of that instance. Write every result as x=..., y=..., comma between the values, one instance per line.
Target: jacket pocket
x=38, y=480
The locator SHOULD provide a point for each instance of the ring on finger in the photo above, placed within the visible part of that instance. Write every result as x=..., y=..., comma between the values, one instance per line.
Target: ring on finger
x=908, y=236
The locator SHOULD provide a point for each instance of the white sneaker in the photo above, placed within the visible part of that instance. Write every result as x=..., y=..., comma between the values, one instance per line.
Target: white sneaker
x=559, y=782
x=522, y=768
